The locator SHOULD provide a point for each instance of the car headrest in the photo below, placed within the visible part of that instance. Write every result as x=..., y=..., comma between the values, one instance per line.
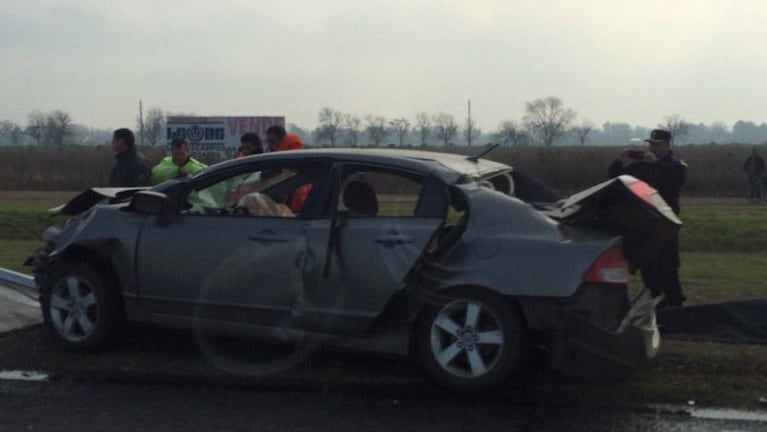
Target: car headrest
x=360, y=199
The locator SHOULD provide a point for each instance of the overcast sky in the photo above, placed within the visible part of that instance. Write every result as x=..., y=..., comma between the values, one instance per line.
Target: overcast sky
x=611, y=60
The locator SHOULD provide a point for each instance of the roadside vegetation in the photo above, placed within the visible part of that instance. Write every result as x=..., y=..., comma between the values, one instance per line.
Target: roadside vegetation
x=715, y=170
x=724, y=257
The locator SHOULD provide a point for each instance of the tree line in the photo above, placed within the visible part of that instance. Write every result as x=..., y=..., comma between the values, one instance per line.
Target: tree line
x=52, y=128
x=545, y=121
x=56, y=129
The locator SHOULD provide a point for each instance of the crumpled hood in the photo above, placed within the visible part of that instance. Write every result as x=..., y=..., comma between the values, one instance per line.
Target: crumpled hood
x=93, y=196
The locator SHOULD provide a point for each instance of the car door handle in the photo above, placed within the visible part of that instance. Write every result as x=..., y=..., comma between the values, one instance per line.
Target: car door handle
x=267, y=237
x=394, y=239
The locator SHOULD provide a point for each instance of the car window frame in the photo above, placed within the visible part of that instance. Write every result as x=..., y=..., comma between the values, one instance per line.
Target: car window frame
x=309, y=211
x=427, y=181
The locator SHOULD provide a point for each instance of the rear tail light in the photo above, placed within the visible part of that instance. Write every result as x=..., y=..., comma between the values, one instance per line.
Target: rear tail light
x=610, y=267
x=648, y=194
x=643, y=191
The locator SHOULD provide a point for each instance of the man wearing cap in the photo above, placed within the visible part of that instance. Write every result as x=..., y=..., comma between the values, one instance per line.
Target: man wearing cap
x=660, y=169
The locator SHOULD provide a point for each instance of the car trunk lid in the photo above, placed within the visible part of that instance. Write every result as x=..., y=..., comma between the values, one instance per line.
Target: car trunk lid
x=624, y=205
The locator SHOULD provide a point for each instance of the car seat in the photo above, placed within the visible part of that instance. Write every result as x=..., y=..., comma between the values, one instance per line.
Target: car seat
x=360, y=200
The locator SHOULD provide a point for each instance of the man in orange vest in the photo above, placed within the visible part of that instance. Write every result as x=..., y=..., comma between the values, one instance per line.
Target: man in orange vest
x=277, y=139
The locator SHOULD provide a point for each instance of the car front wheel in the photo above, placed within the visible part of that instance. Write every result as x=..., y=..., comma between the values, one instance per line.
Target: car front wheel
x=472, y=341
x=81, y=308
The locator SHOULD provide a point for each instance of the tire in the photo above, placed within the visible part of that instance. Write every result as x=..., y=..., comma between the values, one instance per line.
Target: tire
x=81, y=307
x=471, y=340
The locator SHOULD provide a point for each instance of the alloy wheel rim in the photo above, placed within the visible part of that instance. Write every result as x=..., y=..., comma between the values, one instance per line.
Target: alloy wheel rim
x=467, y=338
x=73, y=308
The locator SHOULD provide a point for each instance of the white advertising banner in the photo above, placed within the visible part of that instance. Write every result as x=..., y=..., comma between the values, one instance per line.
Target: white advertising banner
x=217, y=138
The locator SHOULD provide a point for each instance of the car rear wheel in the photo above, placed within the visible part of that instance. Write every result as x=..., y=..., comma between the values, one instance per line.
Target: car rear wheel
x=471, y=341
x=81, y=307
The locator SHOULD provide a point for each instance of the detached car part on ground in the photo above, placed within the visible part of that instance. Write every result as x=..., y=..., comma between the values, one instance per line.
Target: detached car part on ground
x=460, y=262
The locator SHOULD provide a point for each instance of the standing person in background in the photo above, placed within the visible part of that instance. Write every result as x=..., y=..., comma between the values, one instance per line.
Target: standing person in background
x=754, y=168
x=250, y=144
x=277, y=139
x=660, y=169
x=179, y=164
x=131, y=168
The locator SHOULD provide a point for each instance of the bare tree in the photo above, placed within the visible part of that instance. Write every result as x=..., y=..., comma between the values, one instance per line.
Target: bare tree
x=676, y=125
x=353, y=127
x=330, y=125
x=401, y=127
x=376, y=129
x=510, y=133
x=423, y=126
x=13, y=130
x=37, y=127
x=294, y=129
x=548, y=119
x=59, y=126
x=720, y=133
x=583, y=131
x=445, y=127
x=154, y=125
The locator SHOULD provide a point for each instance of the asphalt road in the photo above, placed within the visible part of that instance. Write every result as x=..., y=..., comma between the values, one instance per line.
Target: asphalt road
x=72, y=406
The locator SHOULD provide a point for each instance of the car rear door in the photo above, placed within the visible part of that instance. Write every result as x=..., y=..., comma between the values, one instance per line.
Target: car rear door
x=370, y=255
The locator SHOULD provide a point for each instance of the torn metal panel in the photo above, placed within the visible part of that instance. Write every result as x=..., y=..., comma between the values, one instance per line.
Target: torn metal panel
x=93, y=196
x=588, y=351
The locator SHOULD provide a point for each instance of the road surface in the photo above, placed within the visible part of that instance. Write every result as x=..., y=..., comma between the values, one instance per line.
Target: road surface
x=72, y=406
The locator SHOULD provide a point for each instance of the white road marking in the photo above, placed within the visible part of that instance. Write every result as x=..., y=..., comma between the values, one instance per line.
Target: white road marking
x=21, y=375
x=728, y=414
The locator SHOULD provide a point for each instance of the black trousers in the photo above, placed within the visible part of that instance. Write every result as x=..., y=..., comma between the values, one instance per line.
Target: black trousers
x=661, y=274
x=756, y=187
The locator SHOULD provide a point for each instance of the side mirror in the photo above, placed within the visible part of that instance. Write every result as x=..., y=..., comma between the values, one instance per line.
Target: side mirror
x=149, y=203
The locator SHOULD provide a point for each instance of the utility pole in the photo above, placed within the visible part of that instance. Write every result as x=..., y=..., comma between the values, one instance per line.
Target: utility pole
x=141, y=120
x=469, y=127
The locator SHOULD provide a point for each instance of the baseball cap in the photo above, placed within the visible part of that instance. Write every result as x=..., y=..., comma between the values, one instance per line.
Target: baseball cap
x=659, y=135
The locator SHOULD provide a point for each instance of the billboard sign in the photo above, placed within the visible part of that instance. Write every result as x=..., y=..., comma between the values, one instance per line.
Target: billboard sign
x=217, y=138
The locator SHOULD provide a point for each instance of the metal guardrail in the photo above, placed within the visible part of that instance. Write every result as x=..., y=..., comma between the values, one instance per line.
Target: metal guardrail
x=23, y=283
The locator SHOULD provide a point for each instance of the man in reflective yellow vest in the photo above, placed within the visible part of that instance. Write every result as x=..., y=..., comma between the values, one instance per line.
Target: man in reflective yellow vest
x=179, y=164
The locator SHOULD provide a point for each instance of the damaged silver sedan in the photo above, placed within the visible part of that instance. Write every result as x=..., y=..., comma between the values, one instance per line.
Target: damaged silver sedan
x=459, y=262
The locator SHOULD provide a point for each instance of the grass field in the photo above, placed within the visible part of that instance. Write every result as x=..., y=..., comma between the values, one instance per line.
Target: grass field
x=724, y=244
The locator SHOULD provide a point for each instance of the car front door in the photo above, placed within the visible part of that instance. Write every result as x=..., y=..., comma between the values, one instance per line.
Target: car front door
x=372, y=248
x=230, y=255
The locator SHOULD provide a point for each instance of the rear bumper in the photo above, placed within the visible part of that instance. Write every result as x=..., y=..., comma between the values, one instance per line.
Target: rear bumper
x=588, y=351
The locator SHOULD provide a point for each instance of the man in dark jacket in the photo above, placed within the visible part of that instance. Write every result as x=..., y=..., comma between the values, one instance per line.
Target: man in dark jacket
x=131, y=168
x=660, y=169
x=754, y=168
